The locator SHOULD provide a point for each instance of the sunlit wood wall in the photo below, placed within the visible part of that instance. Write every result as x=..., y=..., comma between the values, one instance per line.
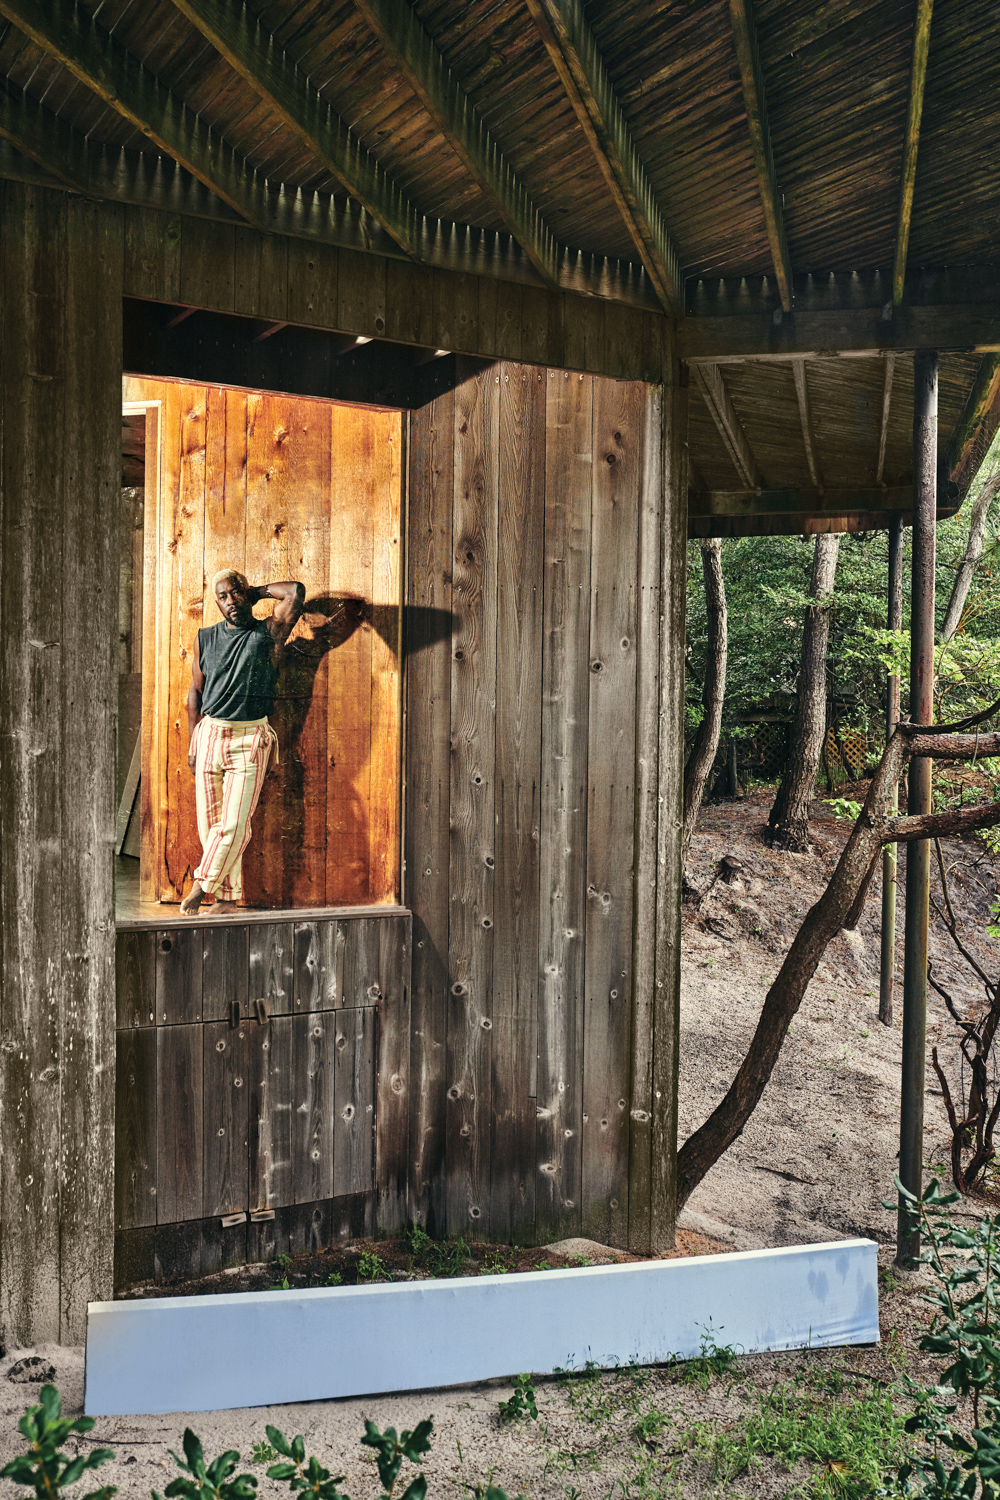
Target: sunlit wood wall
x=280, y=487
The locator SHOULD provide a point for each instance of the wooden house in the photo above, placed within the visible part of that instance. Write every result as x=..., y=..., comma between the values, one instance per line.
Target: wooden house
x=469, y=315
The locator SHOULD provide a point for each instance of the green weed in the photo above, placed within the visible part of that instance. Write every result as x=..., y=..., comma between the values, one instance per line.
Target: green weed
x=372, y=1267
x=522, y=1402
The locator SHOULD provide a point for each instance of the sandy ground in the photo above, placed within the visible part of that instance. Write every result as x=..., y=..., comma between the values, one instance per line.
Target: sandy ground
x=813, y=1163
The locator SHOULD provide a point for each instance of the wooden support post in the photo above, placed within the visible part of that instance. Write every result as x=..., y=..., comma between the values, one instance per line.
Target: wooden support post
x=669, y=861
x=918, y=853
x=894, y=621
x=60, y=473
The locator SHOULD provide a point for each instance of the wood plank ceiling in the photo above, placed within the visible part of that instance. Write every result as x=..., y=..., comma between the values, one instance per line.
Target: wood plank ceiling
x=670, y=152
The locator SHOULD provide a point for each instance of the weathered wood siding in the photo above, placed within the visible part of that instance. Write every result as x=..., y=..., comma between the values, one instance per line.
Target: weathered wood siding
x=543, y=755
x=232, y=268
x=263, y=1071
x=280, y=487
x=61, y=262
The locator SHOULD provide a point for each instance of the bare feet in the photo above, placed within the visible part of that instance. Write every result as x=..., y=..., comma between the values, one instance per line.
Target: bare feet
x=224, y=906
x=192, y=901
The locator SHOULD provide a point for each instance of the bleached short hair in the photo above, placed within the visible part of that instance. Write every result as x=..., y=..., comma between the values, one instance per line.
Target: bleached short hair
x=225, y=574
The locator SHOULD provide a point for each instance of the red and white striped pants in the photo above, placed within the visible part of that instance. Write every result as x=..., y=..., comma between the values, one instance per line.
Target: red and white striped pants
x=230, y=765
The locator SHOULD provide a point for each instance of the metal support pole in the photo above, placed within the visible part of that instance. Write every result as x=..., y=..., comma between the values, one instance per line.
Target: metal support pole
x=894, y=621
x=918, y=853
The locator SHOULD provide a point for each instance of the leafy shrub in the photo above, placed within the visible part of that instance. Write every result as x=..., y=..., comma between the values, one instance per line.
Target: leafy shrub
x=51, y=1472
x=48, y=1470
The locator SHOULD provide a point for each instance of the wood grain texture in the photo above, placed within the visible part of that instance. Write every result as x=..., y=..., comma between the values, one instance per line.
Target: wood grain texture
x=135, y=979
x=646, y=818
x=179, y=972
x=135, y=1128
x=225, y=971
x=473, y=816
x=319, y=965
x=427, y=747
x=270, y=1108
x=354, y=1101
x=312, y=1113
x=518, y=753
x=271, y=967
x=151, y=773
x=392, y=1076
x=227, y=1088
x=383, y=825
x=666, y=1010
x=355, y=457
x=563, y=827
x=618, y=462
x=180, y=1097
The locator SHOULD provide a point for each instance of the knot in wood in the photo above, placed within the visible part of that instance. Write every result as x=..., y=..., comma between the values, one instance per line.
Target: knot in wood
x=347, y=1113
x=486, y=1024
x=474, y=1212
x=396, y=1084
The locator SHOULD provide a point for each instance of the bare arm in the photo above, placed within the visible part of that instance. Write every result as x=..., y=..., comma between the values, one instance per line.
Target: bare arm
x=289, y=599
x=194, y=700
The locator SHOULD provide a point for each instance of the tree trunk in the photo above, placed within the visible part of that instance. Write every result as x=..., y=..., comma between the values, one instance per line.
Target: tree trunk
x=873, y=828
x=973, y=552
x=713, y=690
x=788, y=824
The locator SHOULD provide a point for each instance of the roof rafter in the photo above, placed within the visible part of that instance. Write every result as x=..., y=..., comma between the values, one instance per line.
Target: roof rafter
x=883, y=436
x=397, y=27
x=40, y=135
x=102, y=65
x=805, y=417
x=914, y=112
x=752, y=80
x=570, y=44
x=723, y=413
x=276, y=79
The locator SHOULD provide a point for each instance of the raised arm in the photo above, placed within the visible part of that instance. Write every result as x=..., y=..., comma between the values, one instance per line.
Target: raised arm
x=289, y=598
x=194, y=701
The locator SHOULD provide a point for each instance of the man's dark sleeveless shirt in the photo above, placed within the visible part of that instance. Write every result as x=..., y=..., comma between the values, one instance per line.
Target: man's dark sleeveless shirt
x=238, y=668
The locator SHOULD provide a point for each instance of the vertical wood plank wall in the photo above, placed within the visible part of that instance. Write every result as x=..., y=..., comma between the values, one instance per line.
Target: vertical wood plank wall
x=537, y=759
x=60, y=305
x=64, y=266
x=280, y=487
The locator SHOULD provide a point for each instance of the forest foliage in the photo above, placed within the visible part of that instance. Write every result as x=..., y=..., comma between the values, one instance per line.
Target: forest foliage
x=767, y=579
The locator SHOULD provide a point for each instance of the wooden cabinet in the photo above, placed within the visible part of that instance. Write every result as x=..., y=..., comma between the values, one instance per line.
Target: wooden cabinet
x=261, y=1090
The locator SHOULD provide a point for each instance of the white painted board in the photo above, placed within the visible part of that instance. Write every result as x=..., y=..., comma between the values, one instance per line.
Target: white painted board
x=168, y=1354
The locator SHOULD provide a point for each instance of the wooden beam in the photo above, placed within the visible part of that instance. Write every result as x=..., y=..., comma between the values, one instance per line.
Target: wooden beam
x=397, y=27
x=805, y=418
x=914, y=111
x=831, y=500
x=890, y=366
x=752, y=80
x=977, y=425
x=720, y=407
x=961, y=328
x=570, y=44
x=260, y=61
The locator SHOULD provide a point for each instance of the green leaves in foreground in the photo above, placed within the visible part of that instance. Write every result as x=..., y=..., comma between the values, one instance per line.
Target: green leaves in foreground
x=302, y=1475
x=209, y=1481
x=390, y=1451
x=45, y=1467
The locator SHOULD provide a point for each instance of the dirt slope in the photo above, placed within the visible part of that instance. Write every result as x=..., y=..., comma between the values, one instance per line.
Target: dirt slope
x=819, y=1152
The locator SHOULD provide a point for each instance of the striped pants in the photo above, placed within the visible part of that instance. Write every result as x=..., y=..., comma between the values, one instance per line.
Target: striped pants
x=230, y=765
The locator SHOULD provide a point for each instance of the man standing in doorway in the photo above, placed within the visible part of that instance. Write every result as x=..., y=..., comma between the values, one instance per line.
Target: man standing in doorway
x=230, y=698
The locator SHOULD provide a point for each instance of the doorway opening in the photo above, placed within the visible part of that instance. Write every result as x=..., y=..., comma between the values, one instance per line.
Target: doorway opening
x=278, y=487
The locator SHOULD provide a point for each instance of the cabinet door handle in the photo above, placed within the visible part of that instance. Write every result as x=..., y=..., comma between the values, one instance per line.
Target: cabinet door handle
x=261, y=1008
x=234, y=1014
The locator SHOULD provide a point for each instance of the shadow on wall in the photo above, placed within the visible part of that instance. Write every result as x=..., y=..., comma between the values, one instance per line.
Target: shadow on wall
x=328, y=623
